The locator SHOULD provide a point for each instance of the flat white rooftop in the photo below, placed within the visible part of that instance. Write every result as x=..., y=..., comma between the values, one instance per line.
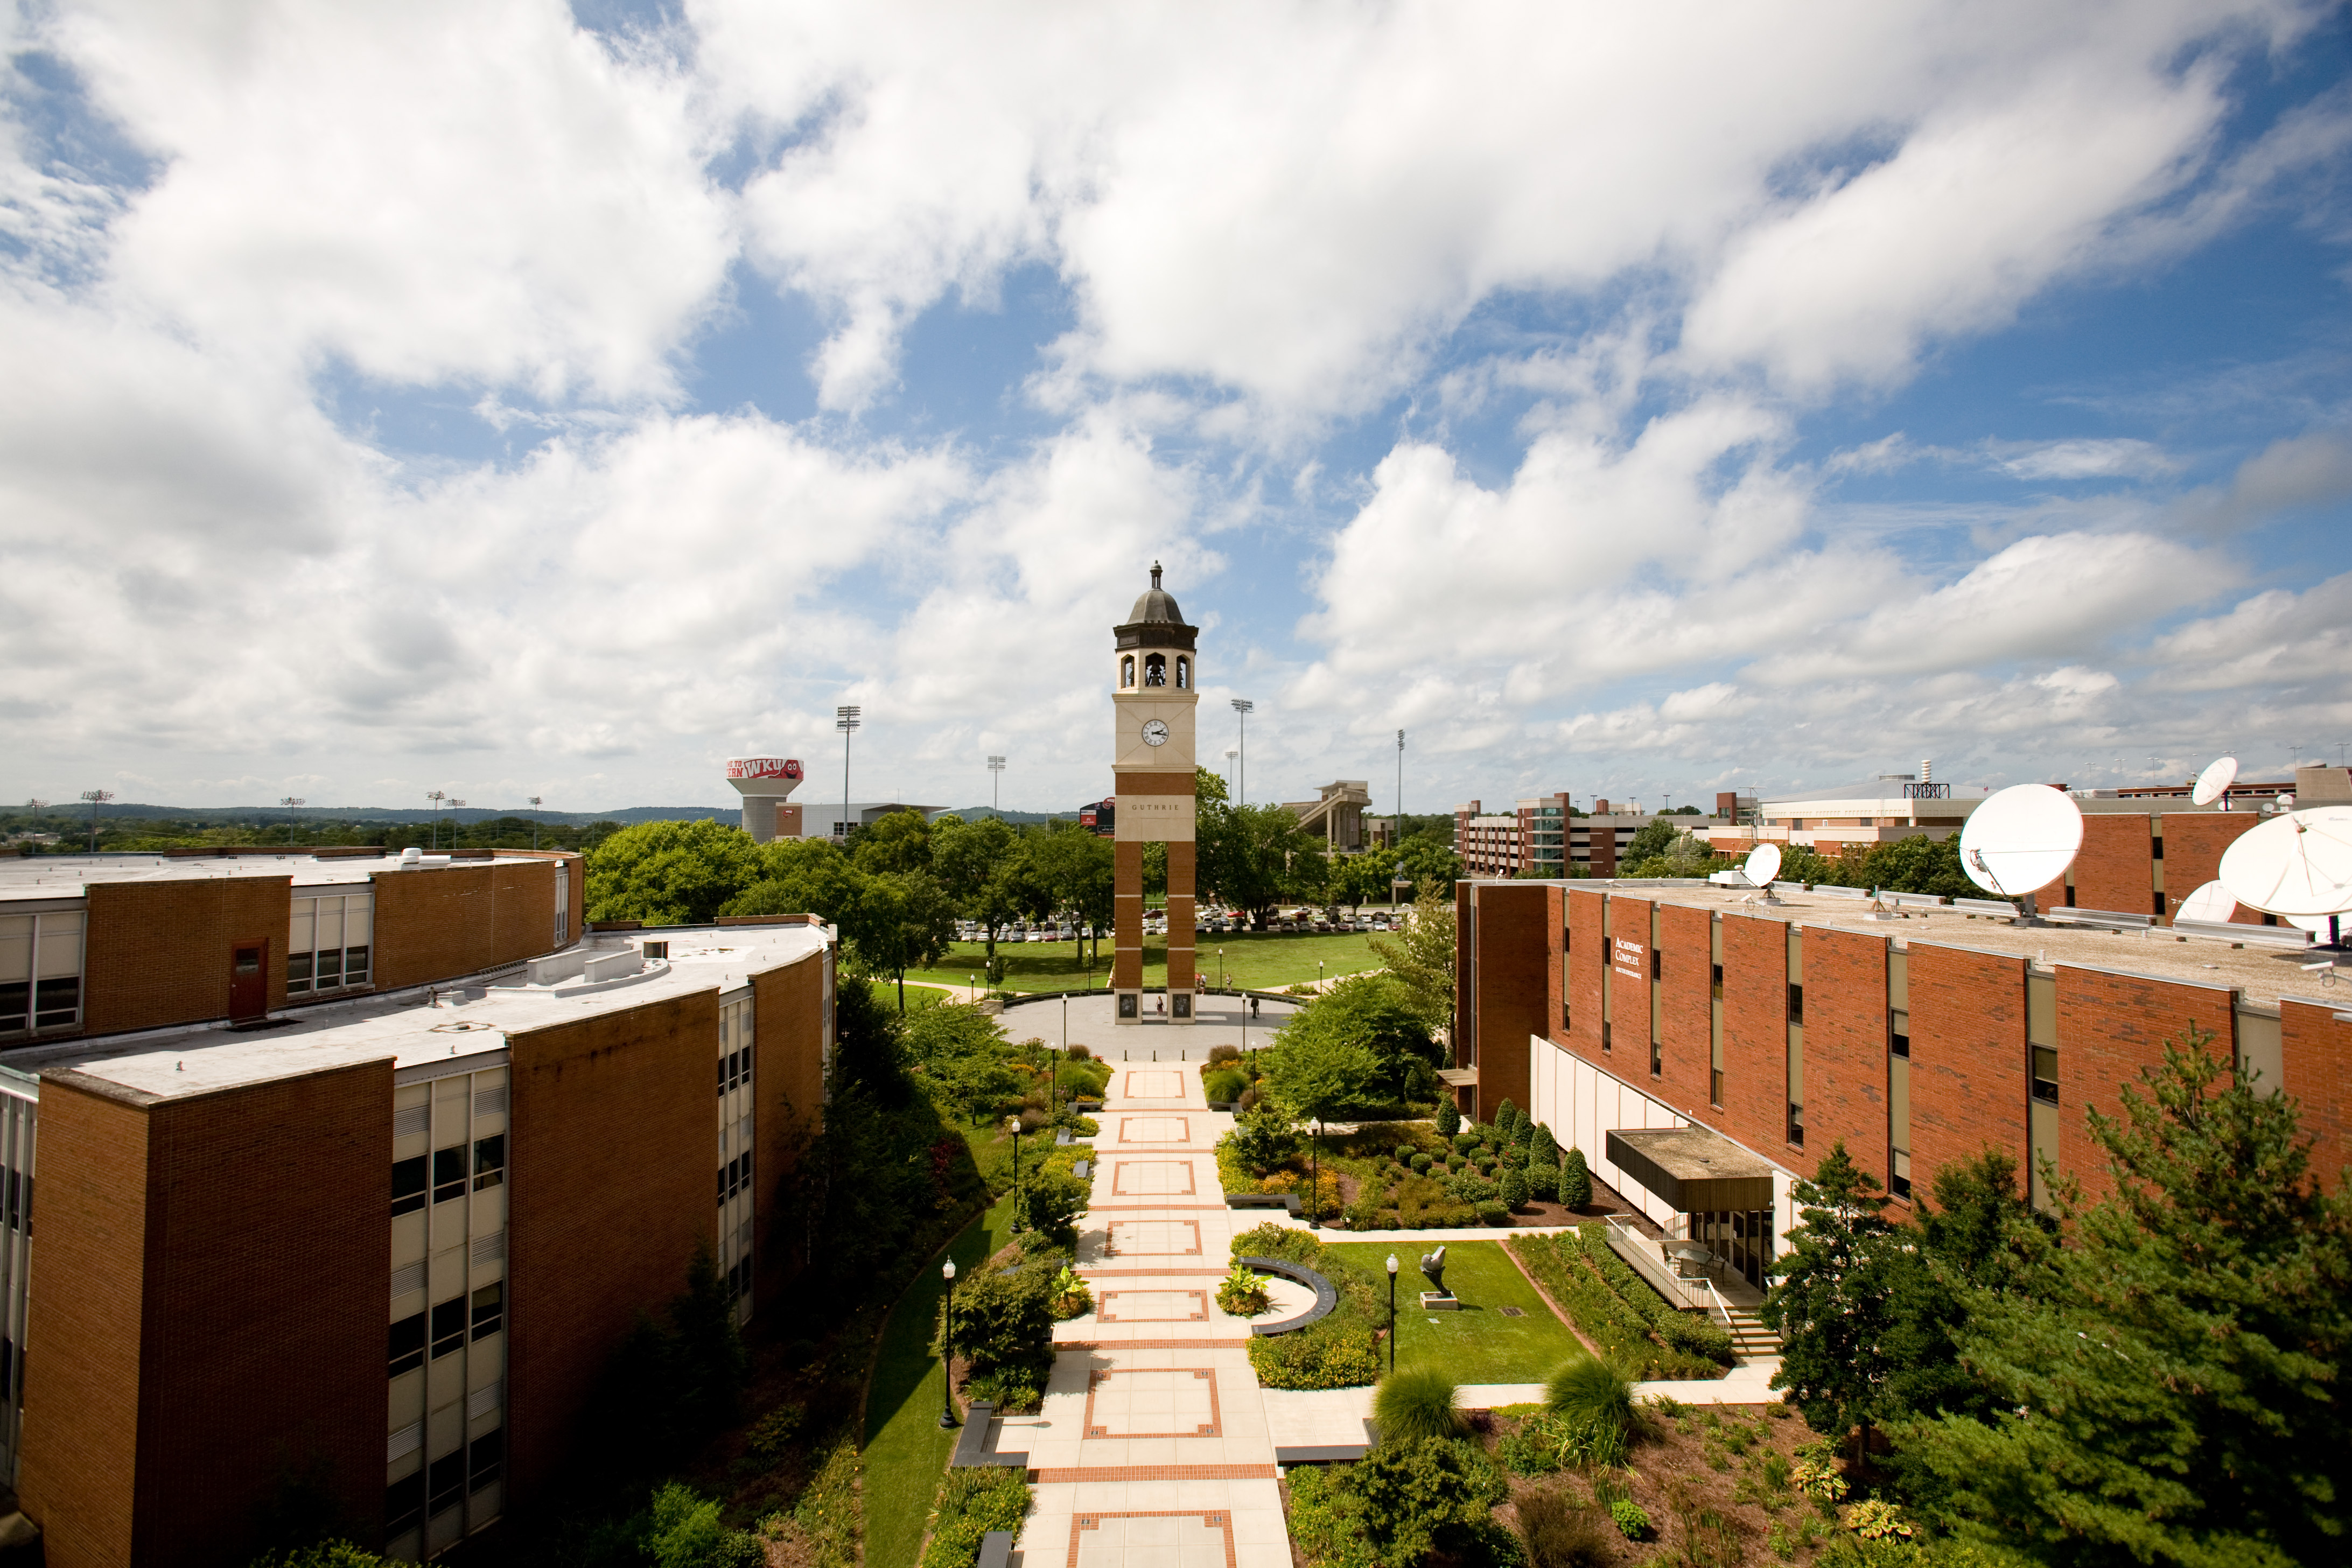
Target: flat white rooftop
x=67, y=876
x=454, y=1020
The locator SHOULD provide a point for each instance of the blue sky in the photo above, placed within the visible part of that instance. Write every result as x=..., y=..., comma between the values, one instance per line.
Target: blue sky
x=531, y=400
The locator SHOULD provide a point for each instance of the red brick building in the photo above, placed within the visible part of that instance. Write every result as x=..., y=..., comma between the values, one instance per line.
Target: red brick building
x=1917, y=1036
x=362, y=1168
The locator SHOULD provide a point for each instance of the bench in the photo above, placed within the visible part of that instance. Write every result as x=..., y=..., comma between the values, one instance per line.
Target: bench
x=1266, y=1201
x=1326, y=1296
x=972, y=1450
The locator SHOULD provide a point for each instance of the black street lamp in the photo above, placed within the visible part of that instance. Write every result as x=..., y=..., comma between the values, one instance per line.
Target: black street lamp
x=1392, y=1310
x=1013, y=1125
x=1315, y=1182
x=946, y=1342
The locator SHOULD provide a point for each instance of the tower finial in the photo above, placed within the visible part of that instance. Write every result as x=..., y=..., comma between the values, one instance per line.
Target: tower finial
x=1155, y=574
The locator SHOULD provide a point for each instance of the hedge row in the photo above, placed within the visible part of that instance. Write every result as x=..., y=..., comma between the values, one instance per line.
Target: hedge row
x=1563, y=1266
x=1693, y=1334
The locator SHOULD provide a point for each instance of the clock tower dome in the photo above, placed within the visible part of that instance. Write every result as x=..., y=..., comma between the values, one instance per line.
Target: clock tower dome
x=1155, y=681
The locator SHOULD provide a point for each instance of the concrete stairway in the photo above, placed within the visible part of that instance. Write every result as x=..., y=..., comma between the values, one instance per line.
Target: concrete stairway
x=1751, y=1337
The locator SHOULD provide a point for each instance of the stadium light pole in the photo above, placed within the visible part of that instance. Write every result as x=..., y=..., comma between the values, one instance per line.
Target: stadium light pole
x=995, y=777
x=534, y=822
x=96, y=799
x=437, y=797
x=847, y=719
x=1396, y=830
x=1244, y=707
x=454, y=804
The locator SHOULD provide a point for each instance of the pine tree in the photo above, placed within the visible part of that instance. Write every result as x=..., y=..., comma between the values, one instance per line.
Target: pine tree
x=1833, y=1299
x=2169, y=1387
x=1575, y=1179
x=1541, y=1148
x=1507, y=1116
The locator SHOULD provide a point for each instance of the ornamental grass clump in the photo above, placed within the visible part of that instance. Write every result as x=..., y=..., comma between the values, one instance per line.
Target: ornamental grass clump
x=1591, y=1390
x=1417, y=1402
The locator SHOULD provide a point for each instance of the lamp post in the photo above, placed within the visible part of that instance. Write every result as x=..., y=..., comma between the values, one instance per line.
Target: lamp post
x=1231, y=754
x=1392, y=1310
x=995, y=775
x=1244, y=707
x=97, y=797
x=1221, y=969
x=1315, y=1181
x=534, y=824
x=1053, y=1083
x=454, y=804
x=437, y=797
x=1013, y=1125
x=1396, y=834
x=847, y=720
x=947, y=1342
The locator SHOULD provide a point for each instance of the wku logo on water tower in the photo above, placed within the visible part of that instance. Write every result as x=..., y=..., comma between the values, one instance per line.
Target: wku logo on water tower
x=765, y=768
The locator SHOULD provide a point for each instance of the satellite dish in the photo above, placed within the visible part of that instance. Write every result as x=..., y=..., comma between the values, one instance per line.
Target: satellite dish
x=2021, y=839
x=2215, y=781
x=1763, y=863
x=2212, y=902
x=2299, y=864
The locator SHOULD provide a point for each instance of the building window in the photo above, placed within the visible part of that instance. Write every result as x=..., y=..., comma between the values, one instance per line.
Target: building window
x=490, y=1160
x=1127, y=671
x=327, y=946
x=1155, y=669
x=1898, y=1180
x=403, y=1504
x=1902, y=1044
x=1183, y=673
x=407, y=1186
x=407, y=1345
x=655, y=950
x=1796, y=1003
x=449, y=1326
x=485, y=1455
x=444, y=1485
x=448, y=1173
x=40, y=972
x=1715, y=981
x=490, y=1309
x=2046, y=1074
x=1715, y=1087
x=1657, y=1060
x=1797, y=1126
x=562, y=904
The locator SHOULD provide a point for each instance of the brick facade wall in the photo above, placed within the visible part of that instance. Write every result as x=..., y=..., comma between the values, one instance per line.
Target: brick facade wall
x=1586, y=956
x=1846, y=1047
x=2115, y=870
x=81, y=1380
x=260, y=1296
x=1513, y=985
x=2316, y=1047
x=1127, y=915
x=2194, y=843
x=613, y=1143
x=455, y=920
x=158, y=952
x=1970, y=1070
x=1688, y=1006
x=1756, y=1036
x=788, y=1024
x=2109, y=1027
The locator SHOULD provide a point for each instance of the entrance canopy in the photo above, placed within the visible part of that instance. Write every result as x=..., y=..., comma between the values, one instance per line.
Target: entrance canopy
x=1693, y=1170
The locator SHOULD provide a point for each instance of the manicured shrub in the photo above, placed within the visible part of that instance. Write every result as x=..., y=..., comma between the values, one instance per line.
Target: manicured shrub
x=1466, y=1140
x=1542, y=1150
x=1514, y=1155
x=1494, y=1212
x=1417, y=1402
x=1405, y=1153
x=1421, y=1163
x=1575, y=1180
x=1449, y=1117
x=1513, y=1187
x=1543, y=1182
x=972, y=1503
x=1284, y=1241
x=1507, y=1116
x=1263, y=1139
x=1320, y=1357
x=1424, y=1497
x=1690, y=1332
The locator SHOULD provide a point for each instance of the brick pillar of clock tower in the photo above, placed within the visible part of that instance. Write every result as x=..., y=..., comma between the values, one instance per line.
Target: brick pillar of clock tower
x=1180, y=961
x=1127, y=916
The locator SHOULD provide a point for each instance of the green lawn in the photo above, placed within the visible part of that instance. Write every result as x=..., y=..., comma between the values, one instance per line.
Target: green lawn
x=1474, y=1343
x=1258, y=960
x=905, y=1449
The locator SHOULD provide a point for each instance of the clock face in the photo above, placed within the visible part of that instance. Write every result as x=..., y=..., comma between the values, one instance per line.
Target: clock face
x=1155, y=732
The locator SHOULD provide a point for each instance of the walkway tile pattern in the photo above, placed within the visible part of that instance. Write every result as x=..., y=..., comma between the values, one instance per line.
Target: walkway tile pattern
x=1152, y=1448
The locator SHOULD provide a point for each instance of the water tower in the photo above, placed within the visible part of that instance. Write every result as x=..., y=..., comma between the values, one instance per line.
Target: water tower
x=764, y=782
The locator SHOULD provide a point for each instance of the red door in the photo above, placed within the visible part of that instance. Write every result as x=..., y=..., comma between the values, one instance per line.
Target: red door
x=249, y=979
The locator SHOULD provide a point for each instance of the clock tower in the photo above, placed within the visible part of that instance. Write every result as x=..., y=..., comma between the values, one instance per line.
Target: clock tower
x=1156, y=689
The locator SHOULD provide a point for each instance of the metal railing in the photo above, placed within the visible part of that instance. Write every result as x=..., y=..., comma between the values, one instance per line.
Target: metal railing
x=1650, y=1263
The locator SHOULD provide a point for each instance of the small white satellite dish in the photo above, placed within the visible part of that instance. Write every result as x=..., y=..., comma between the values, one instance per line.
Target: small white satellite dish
x=2284, y=801
x=2212, y=902
x=1763, y=863
x=2215, y=781
x=2021, y=839
x=2298, y=864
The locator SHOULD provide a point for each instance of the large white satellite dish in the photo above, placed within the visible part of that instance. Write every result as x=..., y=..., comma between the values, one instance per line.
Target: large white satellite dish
x=1763, y=863
x=2215, y=781
x=2212, y=902
x=2297, y=864
x=2022, y=839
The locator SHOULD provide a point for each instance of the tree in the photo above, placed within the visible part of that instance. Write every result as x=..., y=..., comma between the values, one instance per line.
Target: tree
x=904, y=922
x=1263, y=1139
x=2170, y=1387
x=1428, y=859
x=1317, y=1074
x=1575, y=1179
x=668, y=873
x=984, y=867
x=1421, y=957
x=1077, y=870
x=1374, y=1011
x=1449, y=1117
x=1366, y=878
x=1542, y=1149
x=900, y=841
x=1830, y=1300
x=1245, y=854
x=1919, y=864
x=802, y=876
x=1655, y=837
